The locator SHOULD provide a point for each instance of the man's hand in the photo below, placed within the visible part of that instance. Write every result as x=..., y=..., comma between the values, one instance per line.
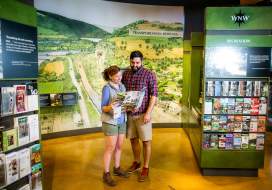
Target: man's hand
x=147, y=115
x=147, y=118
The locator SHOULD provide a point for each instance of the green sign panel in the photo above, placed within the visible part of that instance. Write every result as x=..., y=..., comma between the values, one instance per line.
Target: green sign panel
x=238, y=18
x=239, y=40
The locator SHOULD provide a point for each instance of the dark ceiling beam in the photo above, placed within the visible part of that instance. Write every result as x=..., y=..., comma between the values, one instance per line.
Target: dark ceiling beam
x=29, y=2
x=190, y=3
x=202, y=3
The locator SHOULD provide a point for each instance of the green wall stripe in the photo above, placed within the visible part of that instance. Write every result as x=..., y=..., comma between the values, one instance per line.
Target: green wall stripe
x=18, y=12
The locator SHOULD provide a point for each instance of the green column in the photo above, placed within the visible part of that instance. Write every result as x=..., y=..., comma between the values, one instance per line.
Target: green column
x=187, y=48
x=196, y=69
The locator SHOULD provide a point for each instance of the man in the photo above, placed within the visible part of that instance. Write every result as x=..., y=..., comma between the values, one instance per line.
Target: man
x=139, y=121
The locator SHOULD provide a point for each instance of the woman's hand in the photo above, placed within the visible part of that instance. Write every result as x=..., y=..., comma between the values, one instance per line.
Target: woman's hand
x=109, y=107
x=114, y=104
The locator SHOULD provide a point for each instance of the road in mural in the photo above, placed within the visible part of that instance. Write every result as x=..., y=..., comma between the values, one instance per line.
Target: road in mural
x=73, y=54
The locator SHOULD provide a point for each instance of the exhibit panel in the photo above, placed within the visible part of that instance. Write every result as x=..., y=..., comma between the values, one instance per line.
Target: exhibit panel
x=236, y=80
x=76, y=46
x=20, y=139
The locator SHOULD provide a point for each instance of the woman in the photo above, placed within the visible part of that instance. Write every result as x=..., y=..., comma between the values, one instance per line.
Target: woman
x=113, y=123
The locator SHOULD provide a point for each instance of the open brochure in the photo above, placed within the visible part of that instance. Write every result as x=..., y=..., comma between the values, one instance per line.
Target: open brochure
x=128, y=101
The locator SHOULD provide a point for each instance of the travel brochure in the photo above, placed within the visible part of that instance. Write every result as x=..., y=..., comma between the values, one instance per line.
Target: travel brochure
x=246, y=106
x=18, y=99
x=127, y=101
x=21, y=163
x=233, y=141
x=236, y=88
x=235, y=114
x=234, y=123
x=23, y=130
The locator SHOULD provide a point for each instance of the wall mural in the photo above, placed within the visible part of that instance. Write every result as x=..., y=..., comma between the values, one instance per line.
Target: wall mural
x=77, y=41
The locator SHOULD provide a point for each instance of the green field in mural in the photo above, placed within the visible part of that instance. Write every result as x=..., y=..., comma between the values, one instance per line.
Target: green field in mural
x=54, y=77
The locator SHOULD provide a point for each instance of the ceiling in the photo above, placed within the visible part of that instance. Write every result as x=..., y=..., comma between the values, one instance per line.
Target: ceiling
x=200, y=3
x=183, y=2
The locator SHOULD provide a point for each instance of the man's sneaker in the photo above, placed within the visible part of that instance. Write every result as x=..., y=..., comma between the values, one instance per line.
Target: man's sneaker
x=134, y=167
x=143, y=175
x=108, y=179
x=120, y=172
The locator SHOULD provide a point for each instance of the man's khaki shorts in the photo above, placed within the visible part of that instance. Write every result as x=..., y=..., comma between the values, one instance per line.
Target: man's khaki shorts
x=138, y=129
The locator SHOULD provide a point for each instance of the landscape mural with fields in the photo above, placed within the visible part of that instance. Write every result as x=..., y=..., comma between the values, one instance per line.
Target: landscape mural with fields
x=73, y=54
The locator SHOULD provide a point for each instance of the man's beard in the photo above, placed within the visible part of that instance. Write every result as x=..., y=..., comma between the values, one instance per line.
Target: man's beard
x=135, y=69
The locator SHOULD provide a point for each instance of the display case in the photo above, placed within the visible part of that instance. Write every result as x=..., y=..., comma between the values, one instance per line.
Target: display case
x=233, y=123
x=20, y=140
x=234, y=113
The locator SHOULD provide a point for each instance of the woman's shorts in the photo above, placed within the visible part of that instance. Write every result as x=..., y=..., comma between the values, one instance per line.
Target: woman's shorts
x=112, y=130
